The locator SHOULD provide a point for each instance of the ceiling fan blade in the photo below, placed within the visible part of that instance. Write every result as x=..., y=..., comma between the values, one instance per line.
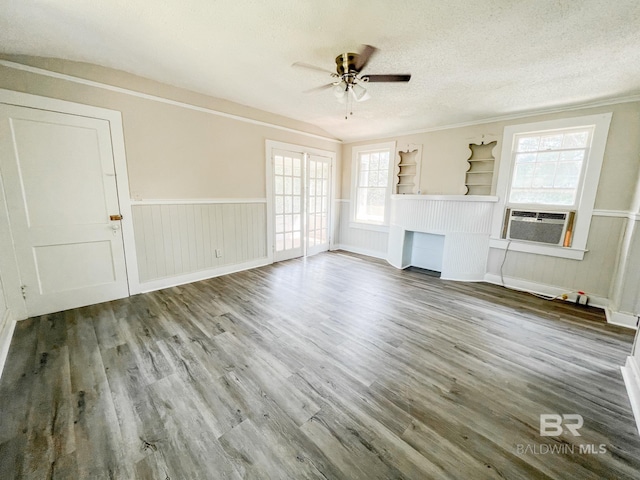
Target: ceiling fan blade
x=365, y=56
x=313, y=67
x=319, y=89
x=387, y=78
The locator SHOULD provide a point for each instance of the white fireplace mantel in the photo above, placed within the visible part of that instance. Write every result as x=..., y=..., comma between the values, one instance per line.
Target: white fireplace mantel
x=463, y=220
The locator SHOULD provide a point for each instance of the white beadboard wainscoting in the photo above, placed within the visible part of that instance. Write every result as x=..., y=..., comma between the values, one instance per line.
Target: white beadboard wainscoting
x=357, y=239
x=177, y=240
x=549, y=275
x=464, y=221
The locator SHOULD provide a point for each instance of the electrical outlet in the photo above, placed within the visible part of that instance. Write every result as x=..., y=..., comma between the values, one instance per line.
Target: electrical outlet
x=218, y=253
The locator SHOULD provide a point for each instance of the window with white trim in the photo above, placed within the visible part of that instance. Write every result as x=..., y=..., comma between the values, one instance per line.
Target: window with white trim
x=372, y=168
x=548, y=167
x=551, y=166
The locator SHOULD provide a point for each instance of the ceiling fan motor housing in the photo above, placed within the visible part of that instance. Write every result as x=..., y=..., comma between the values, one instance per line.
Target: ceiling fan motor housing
x=346, y=63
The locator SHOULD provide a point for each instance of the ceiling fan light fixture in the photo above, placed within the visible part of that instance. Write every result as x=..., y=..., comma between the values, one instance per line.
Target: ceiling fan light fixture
x=359, y=93
x=340, y=91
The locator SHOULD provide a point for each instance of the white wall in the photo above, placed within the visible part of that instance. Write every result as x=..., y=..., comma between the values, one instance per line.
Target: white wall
x=593, y=274
x=3, y=302
x=358, y=240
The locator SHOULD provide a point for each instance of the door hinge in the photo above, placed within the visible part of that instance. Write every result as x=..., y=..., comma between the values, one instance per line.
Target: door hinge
x=23, y=290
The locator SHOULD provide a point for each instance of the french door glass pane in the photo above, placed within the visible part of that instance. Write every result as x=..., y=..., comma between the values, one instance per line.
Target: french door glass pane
x=290, y=180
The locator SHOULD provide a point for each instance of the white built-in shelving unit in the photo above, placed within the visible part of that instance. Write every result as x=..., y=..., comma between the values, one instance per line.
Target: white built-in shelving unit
x=408, y=165
x=479, y=176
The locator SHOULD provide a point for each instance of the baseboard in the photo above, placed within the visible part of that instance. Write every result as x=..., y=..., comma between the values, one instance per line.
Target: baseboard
x=542, y=289
x=361, y=251
x=463, y=278
x=621, y=319
x=168, y=282
x=7, y=327
x=631, y=375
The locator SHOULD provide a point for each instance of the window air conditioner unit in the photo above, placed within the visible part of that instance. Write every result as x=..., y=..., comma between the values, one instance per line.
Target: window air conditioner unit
x=552, y=228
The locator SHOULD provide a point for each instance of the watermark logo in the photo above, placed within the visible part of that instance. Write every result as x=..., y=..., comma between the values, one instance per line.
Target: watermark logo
x=553, y=424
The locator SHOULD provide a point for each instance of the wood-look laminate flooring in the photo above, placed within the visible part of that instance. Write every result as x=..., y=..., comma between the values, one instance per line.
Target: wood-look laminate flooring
x=331, y=367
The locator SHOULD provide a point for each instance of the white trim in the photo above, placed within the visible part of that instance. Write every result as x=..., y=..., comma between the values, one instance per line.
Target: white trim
x=168, y=282
x=374, y=227
x=361, y=251
x=120, y=164
x=146, y=96
x=542, y=289
x=124, y=201
x=537, y=248
x=355, y=151
x=631, y=376
x=342, y=200
x=469, y=278
x=196, y=201
x=447, y=198
x=7, y=327
x=621, y=319
x=502, y=118
x=587, y=192
x=611, y=213
x=10, y=280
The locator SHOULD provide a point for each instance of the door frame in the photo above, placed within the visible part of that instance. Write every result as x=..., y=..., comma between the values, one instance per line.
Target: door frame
x=8, y=262
x=271, y=145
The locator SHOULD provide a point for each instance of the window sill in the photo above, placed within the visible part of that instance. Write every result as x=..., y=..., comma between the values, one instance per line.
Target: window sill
x=369, y=226
x=538, y=249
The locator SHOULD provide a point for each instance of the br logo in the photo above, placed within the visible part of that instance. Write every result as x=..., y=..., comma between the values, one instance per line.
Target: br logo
x=553, y=424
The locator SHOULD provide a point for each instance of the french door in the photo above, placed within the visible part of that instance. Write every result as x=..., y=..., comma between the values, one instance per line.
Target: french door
x=301, y=192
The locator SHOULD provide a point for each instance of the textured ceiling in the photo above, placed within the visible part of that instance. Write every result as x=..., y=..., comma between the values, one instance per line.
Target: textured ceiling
x=470, y=60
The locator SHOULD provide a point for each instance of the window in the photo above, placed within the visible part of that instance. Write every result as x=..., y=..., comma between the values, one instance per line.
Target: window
x=372, y=186
x=548, y=167
x=551, y=166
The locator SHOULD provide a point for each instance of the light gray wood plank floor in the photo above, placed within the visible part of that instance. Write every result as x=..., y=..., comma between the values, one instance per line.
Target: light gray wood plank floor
x=331, y=367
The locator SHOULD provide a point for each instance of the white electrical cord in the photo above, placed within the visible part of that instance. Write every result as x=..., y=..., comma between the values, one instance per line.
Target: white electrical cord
x=544, y=297
x=504, y=259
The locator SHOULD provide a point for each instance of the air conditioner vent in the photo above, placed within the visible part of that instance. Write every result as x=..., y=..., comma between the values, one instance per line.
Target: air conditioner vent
x=521, y=213
x=552, y=216
x=552, y=228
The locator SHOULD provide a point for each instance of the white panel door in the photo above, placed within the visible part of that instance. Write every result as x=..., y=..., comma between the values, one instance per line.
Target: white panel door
x=288, y=175
x=317, y=202
x=60, y=187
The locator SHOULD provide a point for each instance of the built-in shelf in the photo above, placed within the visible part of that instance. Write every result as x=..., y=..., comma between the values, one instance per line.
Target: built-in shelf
x=479, y=176
x=408, y=170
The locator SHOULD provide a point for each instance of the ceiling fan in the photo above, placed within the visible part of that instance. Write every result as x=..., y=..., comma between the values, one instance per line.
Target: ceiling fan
x=348, y=76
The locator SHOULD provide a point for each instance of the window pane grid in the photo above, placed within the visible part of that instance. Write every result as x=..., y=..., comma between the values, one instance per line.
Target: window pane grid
x=548, y=167
x=317, y=207
x=287, y=183
x=371, y=188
